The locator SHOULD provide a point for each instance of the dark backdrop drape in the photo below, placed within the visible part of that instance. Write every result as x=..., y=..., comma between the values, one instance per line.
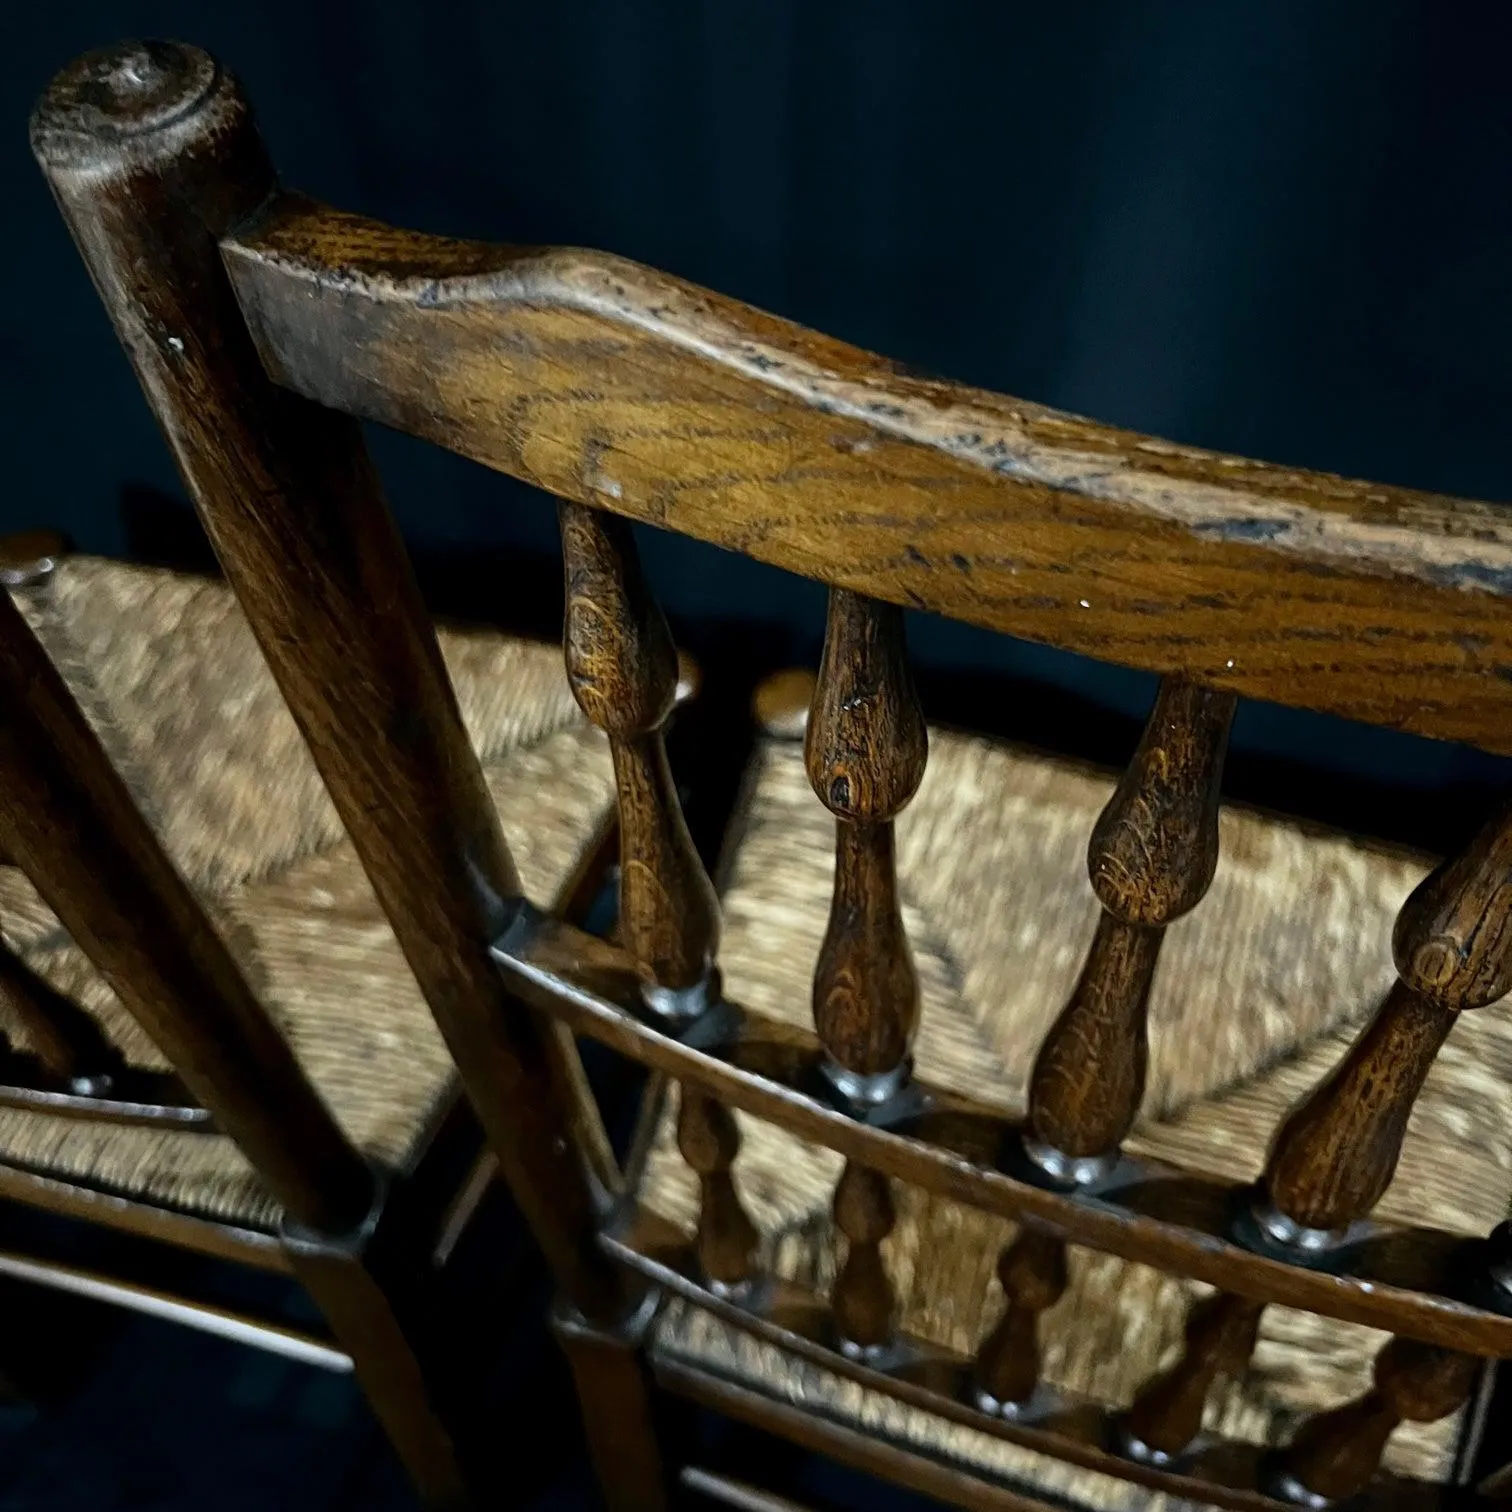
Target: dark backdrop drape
x=1281, y=229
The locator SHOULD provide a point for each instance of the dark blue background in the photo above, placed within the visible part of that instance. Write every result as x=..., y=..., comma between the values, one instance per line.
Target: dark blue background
x=1280, y=229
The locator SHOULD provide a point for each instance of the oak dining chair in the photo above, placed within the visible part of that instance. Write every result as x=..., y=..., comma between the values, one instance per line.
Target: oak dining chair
x=1015, y=1189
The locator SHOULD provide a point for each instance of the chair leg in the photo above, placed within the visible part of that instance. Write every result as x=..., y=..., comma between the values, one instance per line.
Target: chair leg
x=383, y=1309
x=614, y=1394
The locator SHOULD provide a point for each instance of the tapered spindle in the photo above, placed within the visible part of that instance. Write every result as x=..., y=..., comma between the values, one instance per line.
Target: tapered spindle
x=623, y=670
x=709, y=1140
x=1032, y=1269
x=1167, y=1414
x=865, y=749
x=1335, y=1155
x=153, y=156
x=1335, y=1454
x=863, y=1301
x=1151, y=859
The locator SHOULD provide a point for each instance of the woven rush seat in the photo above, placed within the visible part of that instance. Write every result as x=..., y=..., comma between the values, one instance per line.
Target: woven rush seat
x=168, y=674
x=1256, y=995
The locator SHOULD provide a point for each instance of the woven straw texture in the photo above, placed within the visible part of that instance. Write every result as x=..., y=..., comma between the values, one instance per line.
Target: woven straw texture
x=167, y=671
x=1256, y=995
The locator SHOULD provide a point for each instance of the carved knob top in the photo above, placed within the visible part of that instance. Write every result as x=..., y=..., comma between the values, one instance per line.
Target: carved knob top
x=1155, y=846
x=120, y=91
x=1453, y=937
x=866, y=743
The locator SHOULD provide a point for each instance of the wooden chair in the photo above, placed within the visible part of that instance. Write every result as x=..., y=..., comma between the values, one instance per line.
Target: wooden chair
x=244, y=1066
x=1020, y=1213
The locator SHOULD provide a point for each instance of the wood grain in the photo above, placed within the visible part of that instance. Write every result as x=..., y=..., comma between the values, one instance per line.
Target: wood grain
x=1151, y=858
x=865, y=746
x=1335, y=1155
x=153, y=156
x=607, y=383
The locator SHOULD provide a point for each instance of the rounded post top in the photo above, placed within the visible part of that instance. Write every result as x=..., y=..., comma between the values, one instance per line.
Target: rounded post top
x=113, y=93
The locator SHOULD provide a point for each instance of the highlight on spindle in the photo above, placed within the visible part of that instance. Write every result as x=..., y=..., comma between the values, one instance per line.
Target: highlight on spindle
x=1166, y=1415
x=1334, y=1156
x=1335, y=1454
x=1151, y=859
x=865, y=746
x=862, y=1302
x=1032, y=1270
x=624, y=674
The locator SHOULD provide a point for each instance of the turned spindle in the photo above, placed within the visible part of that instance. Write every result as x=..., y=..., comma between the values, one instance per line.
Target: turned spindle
x=863, y=1301
x=1167, y=1414
x=1032, y=1269
x=623, y=670
x=865, y=749
x=1152, y=856
x=1335, y=1453
x=1336, y=1153
x=709, y=1140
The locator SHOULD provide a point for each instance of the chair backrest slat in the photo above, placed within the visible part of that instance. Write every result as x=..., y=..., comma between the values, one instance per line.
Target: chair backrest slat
x=628, y=390
x=68, y=820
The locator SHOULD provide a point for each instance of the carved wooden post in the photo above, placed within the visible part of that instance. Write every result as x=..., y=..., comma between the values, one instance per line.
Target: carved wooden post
x=865, y=748
x=1335, y=1454
x=1032, y=1269
x=863, y=1300
x=1152, y=856
x=709, y=1140
x=1336, y=1153
x=623, y=670
x=1167, y=1414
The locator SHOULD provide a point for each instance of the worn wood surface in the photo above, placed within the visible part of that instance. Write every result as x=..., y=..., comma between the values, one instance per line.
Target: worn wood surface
x=623, y=670
x=709, y=1141
x=1032, y=1270
x=607, y=383
x=153, y=156
x=863, y=1300
x=1220, y=1337
x=1335, y=1155
x=923, y=1375
x=1408, y=1281
x=865, y=747
x=1336, y=1453
x=1151, y=858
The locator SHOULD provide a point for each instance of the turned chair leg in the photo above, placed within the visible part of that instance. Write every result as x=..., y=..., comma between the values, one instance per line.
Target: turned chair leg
x=383, y=1306
x=614, y=1394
